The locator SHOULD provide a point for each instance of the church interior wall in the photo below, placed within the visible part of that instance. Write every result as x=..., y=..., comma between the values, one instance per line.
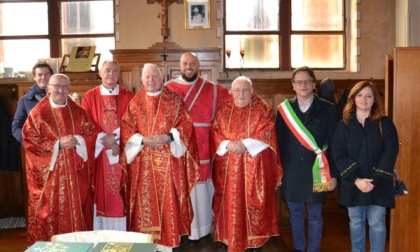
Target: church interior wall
x=140, y=28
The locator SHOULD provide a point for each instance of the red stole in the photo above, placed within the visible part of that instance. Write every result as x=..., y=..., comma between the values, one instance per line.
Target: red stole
x=202, y=100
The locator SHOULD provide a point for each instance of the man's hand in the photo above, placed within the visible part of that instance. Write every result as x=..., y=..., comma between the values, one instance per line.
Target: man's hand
x=236, y=147
x=108, y=140
x=156, y=141
x=115, y=149
x=333, y=184
x=68, y=142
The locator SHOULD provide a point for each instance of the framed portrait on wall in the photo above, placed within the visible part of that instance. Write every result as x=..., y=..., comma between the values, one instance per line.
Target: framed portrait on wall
x=197, y=14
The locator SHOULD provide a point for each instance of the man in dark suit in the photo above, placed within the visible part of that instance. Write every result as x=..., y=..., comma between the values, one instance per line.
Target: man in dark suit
x=305, y=126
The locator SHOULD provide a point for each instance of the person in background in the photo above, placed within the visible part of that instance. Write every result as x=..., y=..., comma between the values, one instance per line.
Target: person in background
x=305, y=127
x=246, y=170
x=202, y=98
x=59, y=140
x=365, y=148
x=41, y=74
x=106, y=104
x=160, y=155
x=327, y=92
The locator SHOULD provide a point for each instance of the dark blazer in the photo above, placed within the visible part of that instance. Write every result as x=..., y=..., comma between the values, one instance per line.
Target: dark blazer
x=363, y=152
x=25, y=104
x=297, y=161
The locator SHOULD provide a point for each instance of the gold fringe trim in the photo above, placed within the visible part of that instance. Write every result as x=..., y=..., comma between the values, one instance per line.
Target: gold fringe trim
x=324, y=187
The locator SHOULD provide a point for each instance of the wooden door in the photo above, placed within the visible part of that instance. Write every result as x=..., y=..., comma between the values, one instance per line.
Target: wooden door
x=405, y=217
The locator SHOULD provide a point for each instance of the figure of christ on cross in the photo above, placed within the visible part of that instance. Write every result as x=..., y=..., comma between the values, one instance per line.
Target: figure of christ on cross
x=163, y=14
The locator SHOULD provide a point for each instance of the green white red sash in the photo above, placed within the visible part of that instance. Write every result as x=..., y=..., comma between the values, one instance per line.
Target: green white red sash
x=320, y=170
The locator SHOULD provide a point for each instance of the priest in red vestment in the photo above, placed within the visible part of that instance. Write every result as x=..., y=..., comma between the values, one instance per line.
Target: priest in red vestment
x=106, y=104
x=246, y=170
x=160, y=152
x=59, y=140
x=202, y=98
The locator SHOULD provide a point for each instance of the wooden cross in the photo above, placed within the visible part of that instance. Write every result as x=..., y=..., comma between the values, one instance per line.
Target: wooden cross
x=163, y=14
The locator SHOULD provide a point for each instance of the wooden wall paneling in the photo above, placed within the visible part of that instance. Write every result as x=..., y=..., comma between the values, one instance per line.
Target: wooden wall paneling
x=11, y=196
x=11, y=200
x=405, y=217
x=8, y=96
x=389, y=85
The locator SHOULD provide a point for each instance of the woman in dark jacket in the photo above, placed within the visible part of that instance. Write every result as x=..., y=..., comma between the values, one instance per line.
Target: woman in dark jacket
x=365, y=148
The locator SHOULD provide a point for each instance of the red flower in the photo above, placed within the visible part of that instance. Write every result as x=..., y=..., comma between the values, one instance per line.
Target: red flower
x=228, y=52
x=242, y=52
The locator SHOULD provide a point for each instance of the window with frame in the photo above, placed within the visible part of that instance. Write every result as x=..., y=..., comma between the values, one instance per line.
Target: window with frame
x=274, y=34
x=42, y=29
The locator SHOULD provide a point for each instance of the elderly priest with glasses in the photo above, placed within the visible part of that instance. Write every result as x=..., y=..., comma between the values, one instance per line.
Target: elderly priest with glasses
x=59, y=140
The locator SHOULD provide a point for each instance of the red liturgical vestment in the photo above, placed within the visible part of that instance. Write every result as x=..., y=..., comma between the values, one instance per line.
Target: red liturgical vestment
x=106, y=111
x=59, y=196
x=202, y=100
x=245, y=214
x=157, y=191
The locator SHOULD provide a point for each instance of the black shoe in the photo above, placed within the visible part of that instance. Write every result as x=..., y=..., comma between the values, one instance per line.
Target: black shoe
x=192, y=243
x=222, y=246
x=256, y=249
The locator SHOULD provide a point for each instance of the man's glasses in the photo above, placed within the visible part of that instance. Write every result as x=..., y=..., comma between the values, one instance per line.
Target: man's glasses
x=58, y=87
x=303, y=82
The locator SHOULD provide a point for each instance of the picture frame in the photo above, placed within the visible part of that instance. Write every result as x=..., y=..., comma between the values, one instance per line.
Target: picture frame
x=197, y=14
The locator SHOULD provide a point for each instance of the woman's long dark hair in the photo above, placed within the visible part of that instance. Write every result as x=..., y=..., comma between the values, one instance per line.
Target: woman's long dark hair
x=376, y=111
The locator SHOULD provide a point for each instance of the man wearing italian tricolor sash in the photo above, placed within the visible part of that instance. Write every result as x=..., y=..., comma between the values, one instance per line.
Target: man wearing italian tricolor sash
x=305, y=126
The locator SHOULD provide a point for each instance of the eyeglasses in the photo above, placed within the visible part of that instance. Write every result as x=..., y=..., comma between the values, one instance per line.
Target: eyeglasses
x=303, y=82
x=58, y=87
x=239, y=91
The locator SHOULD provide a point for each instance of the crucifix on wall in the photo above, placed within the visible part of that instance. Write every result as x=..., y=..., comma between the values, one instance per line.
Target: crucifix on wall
x=163, y=14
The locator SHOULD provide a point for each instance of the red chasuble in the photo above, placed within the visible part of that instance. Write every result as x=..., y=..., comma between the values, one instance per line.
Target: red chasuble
x=59, y=200
x=202, y=99
x=106, y=111
x=157, y=191
x=245, y=214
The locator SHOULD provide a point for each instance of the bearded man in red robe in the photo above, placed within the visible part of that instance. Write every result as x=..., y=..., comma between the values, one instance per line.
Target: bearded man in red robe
x=202, y=98
x=106, y=104
x=246, y=170
x=161, y=156
x=59, y=139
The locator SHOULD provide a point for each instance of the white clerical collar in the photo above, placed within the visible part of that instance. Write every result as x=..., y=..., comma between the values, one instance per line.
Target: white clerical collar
x=154, y=93
x=110, y=91
x=304, y=106
x=180, y=79
x=55, y=105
